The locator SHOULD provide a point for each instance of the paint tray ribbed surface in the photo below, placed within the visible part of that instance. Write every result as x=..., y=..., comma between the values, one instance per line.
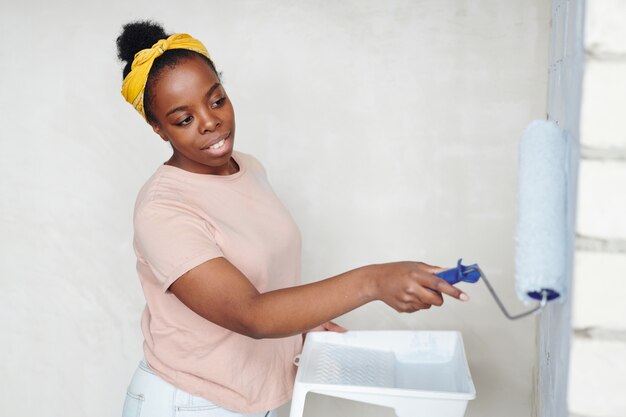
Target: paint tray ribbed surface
x=418, y=373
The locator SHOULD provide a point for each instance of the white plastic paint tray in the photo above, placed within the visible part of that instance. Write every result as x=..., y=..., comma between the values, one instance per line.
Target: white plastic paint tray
x=418, y=373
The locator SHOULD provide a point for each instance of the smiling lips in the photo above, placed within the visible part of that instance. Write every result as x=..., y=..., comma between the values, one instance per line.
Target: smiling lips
x=220, y=142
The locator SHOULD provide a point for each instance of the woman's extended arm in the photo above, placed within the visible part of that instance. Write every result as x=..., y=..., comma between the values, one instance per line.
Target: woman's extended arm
x=220, y=293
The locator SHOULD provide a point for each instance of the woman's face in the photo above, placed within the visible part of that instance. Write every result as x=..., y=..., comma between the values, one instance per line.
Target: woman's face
x=194, y=114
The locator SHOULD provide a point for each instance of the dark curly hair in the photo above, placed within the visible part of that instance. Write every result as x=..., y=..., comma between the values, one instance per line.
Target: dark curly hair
x=140, y=35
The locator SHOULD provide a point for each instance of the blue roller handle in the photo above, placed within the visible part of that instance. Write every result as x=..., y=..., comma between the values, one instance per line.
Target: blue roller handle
x=465, y=273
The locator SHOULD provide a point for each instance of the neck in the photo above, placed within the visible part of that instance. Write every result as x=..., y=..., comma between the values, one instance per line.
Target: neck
x=229, y=168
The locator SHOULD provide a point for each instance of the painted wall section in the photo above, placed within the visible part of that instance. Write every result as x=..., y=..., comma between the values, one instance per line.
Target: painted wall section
x=598, y=358
x=389, y=129
x=565, y=70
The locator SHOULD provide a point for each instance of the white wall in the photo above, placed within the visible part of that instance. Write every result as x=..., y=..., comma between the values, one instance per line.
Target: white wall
x=388, y=128
x=564, y=98
x=598, y=359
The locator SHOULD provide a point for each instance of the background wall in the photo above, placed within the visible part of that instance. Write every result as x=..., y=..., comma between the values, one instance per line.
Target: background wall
x=389, y=129
x=564, y=97
x=598, y=358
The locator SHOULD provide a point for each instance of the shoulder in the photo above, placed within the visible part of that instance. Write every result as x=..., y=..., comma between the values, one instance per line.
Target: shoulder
x=163, y=195
x=250, y=162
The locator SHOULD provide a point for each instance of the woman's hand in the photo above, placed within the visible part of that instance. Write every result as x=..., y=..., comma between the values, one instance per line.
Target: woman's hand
x=329, y=326
x=412, y=286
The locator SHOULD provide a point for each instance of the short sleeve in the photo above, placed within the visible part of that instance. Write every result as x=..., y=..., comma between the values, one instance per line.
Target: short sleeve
x=256, y=166
x=171, y=239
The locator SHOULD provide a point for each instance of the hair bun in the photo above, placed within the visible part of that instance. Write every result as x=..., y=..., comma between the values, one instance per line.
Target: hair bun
x=136, y=36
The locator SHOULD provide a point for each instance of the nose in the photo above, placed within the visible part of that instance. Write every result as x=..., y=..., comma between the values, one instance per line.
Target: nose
x=209, y=121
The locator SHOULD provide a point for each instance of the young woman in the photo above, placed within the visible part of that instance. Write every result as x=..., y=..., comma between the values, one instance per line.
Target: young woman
x=218, y=255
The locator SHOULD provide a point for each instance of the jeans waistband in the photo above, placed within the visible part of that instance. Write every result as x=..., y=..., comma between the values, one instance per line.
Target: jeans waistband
x=159, y=394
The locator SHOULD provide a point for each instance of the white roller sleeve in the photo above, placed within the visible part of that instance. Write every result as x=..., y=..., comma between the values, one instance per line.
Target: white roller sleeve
x=540, y=259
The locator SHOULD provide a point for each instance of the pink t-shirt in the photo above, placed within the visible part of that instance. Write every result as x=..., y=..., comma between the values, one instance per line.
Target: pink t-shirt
x=183, y=219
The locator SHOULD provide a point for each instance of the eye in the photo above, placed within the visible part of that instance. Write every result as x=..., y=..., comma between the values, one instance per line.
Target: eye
x=185, y=122
x=218, y=103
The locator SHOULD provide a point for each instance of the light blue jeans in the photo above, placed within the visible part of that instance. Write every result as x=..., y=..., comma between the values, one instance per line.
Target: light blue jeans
x=150, y=396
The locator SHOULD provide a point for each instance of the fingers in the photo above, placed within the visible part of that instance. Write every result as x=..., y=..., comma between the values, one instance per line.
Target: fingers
x=417, y=297
x=435, y=286
x=412, y=307
x=442, y=286
x=428, y=296
x=334, y=327
x=432, y=269
x=417, y=287
x=319, y=328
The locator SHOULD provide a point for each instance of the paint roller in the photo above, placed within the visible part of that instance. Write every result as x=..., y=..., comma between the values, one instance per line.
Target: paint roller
x=541, y=235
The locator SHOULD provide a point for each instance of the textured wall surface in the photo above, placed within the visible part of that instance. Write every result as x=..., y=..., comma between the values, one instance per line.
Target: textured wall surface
x=389, y=129
x=564, y=99
x=598, y=358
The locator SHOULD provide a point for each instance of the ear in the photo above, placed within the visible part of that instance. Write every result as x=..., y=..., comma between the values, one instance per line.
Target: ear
x=159, y=132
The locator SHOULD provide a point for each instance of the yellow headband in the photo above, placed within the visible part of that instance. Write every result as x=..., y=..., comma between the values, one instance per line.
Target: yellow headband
x=135, y=82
